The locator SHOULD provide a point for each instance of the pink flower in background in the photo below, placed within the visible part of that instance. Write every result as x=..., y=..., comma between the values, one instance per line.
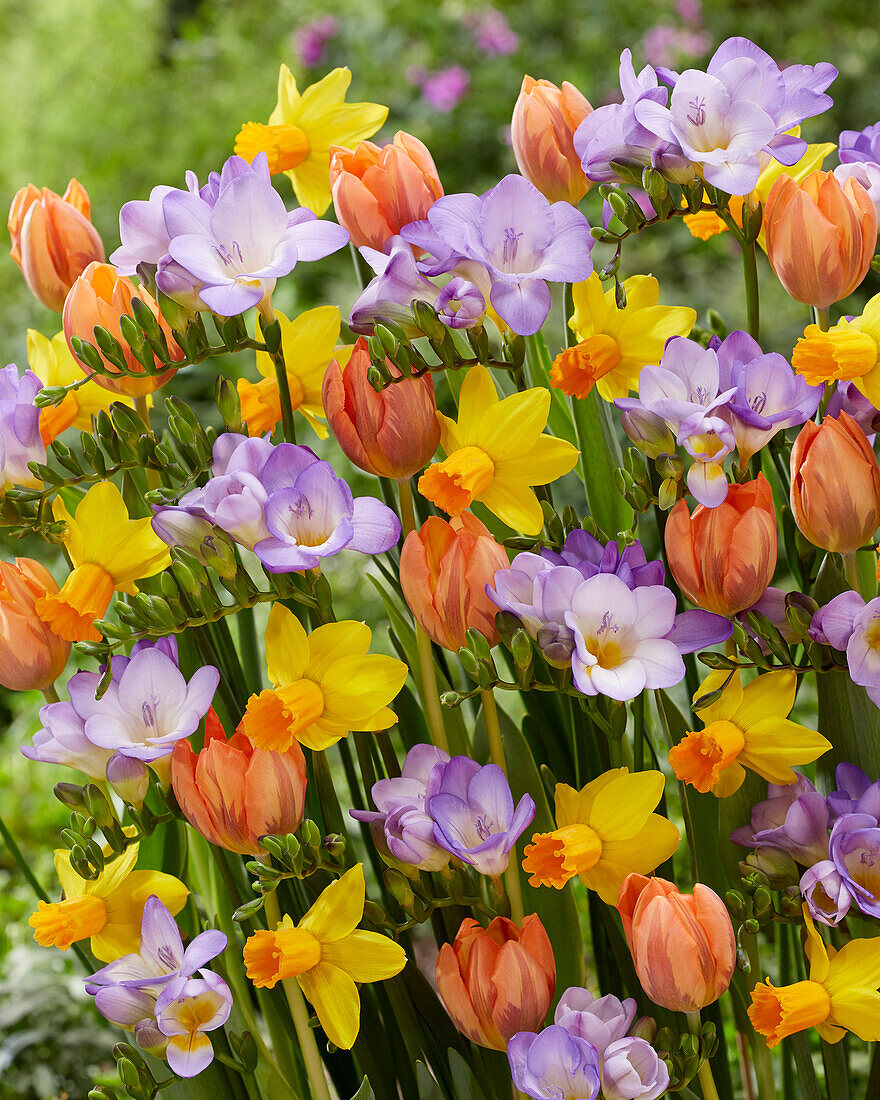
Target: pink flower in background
x=312, y=39
x=691, y=11
x=444, y=89
x=666, y=45
x=492, y=33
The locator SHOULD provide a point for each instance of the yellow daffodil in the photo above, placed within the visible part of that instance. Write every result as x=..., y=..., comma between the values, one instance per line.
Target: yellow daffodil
x=614, y=344
x=707, y=224
x=325, y=685
x=848, y=350
x=840, y=995
x=308, y=343
x=107, y=910
x=109, y=552
x=494, y=452
x=52, y=363
x=302, y=128
x=604, y=832
x=746, y=727
x=327, y=953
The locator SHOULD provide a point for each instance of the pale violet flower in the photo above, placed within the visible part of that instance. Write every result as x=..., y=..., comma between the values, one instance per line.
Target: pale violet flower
x=62, y=740
x=554, y=1063
x=599, y=1020
x=186, y=1009
x=20, y=440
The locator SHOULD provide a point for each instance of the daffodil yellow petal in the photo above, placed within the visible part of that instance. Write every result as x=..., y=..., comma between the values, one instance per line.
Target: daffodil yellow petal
x=366, y=956
x=621, y=808
x=550, y=458
x=511, y=428
x=575, y=807
x=382, y=720
x=855, y=966
x=288, y=105
x=723, y=709
x=774, y=744
x=642, y=292
x=645, y=850
x=287, y=646
x=476, y=397
x=355, y=688
x=605, y=879
x=113, y=877
x=125, y=904
x=335, y=999
x=858, y=1010
x=514, y=504
x=324, y=95
x=591, y=307
x=339, y=907
x=770, y=695
x=322, y=734
x=333, y=641
x=815, y=950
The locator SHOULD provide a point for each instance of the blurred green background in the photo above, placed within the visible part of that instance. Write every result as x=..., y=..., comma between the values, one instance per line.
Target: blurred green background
x=126, y=94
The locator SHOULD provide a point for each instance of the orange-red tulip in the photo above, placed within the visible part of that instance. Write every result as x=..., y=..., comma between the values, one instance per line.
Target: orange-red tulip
x=53, y=240
x=682, y=945
x=723, y=558
x=821, y=236
x=835, y=484
x=378, y=190
x=444, y=569
x=498, y=980
x=32, y=656
x=233, y=794
x=100, y=297
x=391, y=434
x=542, y=131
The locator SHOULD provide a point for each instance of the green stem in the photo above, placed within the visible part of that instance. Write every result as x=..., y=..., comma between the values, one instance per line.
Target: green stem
x=750, y=277
x=851, y=569
x=763, y=1061
x=50, y=694
x=707, y=1081
x=806, y=1071
x=143, y=410
x=496, y=751
x=288, y=424
x=822, y=317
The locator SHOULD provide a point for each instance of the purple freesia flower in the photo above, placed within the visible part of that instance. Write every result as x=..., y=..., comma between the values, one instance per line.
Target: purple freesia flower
x=186, y=1009
x=62, y=740
x=854, y=849
x=867, y=174
x=601, y=1021
x=520, y=239
x=554, y=1063
x=847, y=397
x=633, y=1070
x=849, y=624
x=473, y=812
x=825, y=893
x=793, y=819
x=860, y=146
x=856, y=794
x=20, y=440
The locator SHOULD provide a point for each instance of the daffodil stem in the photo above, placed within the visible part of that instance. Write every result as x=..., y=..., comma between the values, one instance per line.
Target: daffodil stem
x=750, y=277
x=143, y=410
x=299, y=1012
x=707, y=1081
x=288, y=425
x=851, y=568
x=428, y=675
x=496, y=752
x=763, y=1061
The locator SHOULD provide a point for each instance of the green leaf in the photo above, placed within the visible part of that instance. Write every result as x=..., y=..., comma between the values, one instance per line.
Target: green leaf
x=538, y=363
x=365, y=1092
x=601, y=457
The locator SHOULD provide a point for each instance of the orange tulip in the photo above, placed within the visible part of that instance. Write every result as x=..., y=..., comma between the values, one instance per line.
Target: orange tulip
x=682, y=945
x=100, y=297
x=821, y=236
x=498, y=980
x=542, y=131
x=390, y=434
x=53, y=240
x=723, y=558
x=31, y=655
x=378, y=190
x=234, y=794
x=835, y=484
x=444, y=570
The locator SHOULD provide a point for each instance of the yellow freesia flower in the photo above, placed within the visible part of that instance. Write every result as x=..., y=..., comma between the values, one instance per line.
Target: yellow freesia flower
x=109, y=552
x=747, y=728
x=614, y=344
x=848, y=350
x=327, y=953
x=325, y=685
x=604, y=832
x=302, y=128
x=840, y=995
x=107, y=910
x=52, y=363
x=309, y=344
x=494, y=452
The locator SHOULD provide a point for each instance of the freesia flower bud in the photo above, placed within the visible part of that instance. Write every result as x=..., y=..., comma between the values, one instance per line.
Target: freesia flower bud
x=129, y=778
x=632, y=1070
x=444, y=570
x=835, y=484
x=498, y=980
x=390, y=434
x=542, y=134
x=821, y=236
x=682, y=945
x=101, y=297
x=53, y=240
x=723, y=558
x=32, y=656
x=378, y=190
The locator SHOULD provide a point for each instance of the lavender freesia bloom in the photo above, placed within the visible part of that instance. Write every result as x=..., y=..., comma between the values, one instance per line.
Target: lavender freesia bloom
x=390, y=295
x=860, y=146
x=849, y=624
x=474, y=815
x=854, y=849
x=600, y=1020
x=825, y=893
x=185, y=1010
x=867, y=174
x=848, y=398
x=554, y=1063
x=856, y=794
x=520, y=239
x=793, y=819
x=20, y=440
x=633, y=1070
x=62, y=740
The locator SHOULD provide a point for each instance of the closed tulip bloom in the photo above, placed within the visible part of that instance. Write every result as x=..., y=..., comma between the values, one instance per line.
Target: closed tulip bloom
x=378, y=190
x=498, y=980
x=444, y=570
x=390, y=434
x=723, y=558
x=835, y=484
x=821, y=236
x=101, y=297
x=53, y=240
x=32, y=656
x=234, y=794
x=682, y=945
x=542, y=134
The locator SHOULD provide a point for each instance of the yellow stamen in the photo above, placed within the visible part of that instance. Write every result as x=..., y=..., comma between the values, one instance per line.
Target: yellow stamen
x=269, y=957
x=61, y=923
x=778, y=1012
x=701, y=756
x=458, y=480
x=576, y=370
x=830, y=356
x=285, y=147
x=84, y=597
x=554, y=858
x=273, y=719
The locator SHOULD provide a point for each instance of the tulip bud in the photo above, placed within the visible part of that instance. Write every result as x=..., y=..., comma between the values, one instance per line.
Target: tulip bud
x=101, y=297
x=682, y=945
x=498, y=980
x=723, y=558
x=820, y=236
x=53, y=240
x=444, y=570
x=32, y=656
x=378, y=190
x=393, y=433
x=542, y=134
x=835, y=484
x=129, y=778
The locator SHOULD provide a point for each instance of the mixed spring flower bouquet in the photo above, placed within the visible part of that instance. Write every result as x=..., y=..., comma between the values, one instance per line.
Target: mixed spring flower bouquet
x=570, y=831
